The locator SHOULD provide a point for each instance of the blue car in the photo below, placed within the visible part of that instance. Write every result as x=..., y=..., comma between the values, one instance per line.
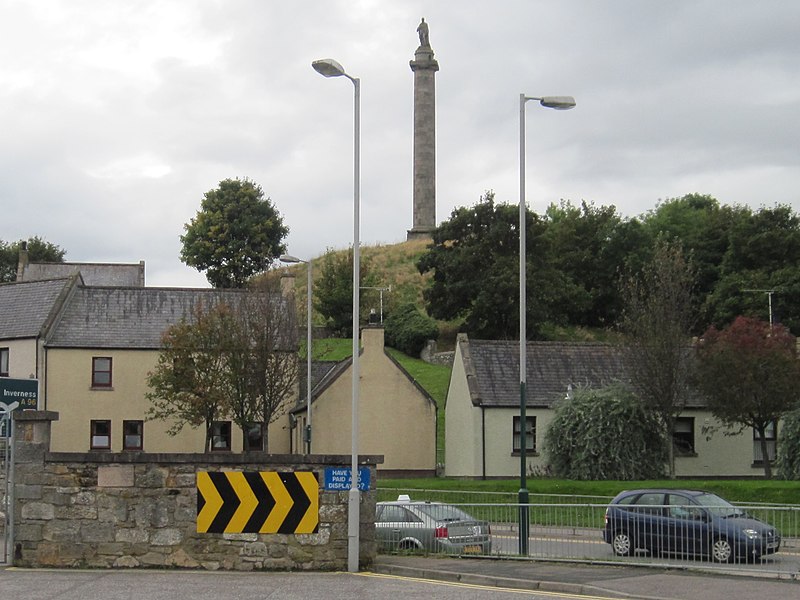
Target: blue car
x=686, y=522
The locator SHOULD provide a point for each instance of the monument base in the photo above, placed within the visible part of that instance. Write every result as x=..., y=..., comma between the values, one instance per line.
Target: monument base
x=419, y=233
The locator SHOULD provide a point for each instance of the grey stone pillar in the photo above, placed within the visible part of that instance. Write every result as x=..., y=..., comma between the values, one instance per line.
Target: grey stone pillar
x=424, y=67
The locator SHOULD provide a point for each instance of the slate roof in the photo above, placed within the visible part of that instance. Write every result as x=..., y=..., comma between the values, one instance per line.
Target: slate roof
x=26, y=308
x=493, y=370
x=125, y=318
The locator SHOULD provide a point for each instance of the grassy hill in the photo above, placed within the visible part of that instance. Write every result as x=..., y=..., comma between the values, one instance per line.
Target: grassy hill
x=392, y=266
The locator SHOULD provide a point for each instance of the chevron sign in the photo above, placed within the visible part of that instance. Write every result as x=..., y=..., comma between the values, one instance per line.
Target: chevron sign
x=250, y=502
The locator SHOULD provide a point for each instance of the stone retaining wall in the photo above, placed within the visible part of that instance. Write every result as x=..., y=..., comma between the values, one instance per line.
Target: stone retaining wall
x=140, y=510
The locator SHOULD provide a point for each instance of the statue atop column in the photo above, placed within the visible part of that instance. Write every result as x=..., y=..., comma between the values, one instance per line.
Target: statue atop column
x=424, y=34
x=424, y=67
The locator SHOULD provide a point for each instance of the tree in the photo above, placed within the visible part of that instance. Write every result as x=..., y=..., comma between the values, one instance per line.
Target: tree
x=408, y=330
x=235, y=234
x=333, y=290
x=788, y=459
x=750, y=375
x=189, y=384
x=605, y=434
x=263, y=361
x=237, y=358
x=657, y=320
x=38, y=249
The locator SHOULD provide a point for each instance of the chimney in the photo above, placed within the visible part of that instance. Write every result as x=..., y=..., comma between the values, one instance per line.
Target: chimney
x=22, y=263
x=372, y=338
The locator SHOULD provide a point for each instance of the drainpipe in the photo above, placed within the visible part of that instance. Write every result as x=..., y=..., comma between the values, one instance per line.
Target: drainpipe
x=483, y=442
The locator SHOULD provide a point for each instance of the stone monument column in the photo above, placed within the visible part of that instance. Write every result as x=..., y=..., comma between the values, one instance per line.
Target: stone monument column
x=424, y=67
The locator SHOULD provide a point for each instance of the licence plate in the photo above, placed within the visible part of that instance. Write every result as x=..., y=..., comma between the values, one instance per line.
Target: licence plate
x=472, y=549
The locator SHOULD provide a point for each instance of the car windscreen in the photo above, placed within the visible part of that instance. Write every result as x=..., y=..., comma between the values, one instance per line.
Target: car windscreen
x=718, y=506
x=443, y=512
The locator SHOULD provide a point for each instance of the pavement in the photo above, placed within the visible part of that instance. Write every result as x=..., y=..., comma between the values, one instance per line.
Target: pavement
x=610, y=581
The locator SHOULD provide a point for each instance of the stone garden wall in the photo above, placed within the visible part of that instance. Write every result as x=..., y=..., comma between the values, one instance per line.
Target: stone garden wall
x=140, y=510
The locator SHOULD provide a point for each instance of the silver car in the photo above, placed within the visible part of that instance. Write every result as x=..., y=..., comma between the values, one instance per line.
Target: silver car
x=434, y=527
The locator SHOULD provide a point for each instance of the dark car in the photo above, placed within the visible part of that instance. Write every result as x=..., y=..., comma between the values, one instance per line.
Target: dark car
x=686, y=522
x=430, y=527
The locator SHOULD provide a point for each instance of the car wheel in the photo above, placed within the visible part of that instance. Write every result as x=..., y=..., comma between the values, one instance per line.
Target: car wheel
x=621, y=544
x=721, y=550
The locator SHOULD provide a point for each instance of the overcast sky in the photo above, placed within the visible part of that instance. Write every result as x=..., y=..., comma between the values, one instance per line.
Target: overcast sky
x=116, y=117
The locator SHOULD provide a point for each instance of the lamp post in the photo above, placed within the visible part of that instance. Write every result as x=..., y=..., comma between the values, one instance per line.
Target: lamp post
x=330, y=68
x=288, y=258
x=558, y=103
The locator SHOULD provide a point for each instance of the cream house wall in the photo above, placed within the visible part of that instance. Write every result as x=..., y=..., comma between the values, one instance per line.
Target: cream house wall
x=719, y=455
x=463, y=447
x=501, y=460
x=69, y=392
x=21, y=357
x=395, y=418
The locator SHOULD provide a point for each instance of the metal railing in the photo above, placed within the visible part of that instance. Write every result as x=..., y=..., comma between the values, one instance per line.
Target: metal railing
x=572, y=529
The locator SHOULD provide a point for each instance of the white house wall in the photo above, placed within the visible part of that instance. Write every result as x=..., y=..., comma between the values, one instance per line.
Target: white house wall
x=463, y=446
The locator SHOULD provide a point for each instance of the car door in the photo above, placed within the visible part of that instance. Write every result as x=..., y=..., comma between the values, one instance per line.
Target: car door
x=650, y=522
x=687, y=525
x=396, y=527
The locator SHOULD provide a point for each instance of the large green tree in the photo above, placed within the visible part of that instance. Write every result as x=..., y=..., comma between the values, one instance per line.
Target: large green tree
x=750, y=375
x=39, y=250
x=474, y=259
x=333, y=289
x=236, y=233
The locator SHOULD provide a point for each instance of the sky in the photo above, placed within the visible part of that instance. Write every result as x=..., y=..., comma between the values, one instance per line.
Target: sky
x=117, y=117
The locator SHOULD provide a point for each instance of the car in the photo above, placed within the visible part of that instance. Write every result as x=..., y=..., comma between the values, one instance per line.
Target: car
x=686, y=522
x=406, y=525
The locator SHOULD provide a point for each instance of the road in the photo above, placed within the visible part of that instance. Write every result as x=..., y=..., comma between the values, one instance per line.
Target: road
x=585, y=543
x=119, y=585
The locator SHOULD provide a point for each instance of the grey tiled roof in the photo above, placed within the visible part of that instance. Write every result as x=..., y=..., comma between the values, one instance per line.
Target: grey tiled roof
x=134, y=318
x=493, y=371
x=551, y=367
x=26, y=307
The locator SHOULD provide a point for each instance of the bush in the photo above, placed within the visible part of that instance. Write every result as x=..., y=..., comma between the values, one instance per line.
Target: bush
x=788, y=459
x=605, y=434
x=408, y=330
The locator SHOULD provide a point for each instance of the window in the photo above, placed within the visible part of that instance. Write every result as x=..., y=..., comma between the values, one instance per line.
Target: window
x=221, y=435
x=392, y=513
x=100, y=435
x=255, y=437
x=683, y=436
x=772, y=444
x=3, y=362
x=101, y=372
x=132, y=435
x=530, y=434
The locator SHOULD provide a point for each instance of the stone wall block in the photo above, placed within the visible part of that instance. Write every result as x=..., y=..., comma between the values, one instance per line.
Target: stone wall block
x=37, y=511
x=61, y=531
x=94, y=532
x=166, y=537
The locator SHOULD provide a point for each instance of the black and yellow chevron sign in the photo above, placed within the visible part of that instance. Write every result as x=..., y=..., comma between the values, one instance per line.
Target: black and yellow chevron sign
x=251, y=502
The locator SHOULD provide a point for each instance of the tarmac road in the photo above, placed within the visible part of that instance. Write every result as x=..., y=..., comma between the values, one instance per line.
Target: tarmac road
x=401, y=577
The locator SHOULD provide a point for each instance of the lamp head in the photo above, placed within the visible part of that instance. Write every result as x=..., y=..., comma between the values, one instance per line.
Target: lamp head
x=328, y=67
x=288, y=258
x=557, y=102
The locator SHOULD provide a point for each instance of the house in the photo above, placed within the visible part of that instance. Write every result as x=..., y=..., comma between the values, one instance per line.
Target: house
x=91, y=348
x=397, y=417
x=482, y=417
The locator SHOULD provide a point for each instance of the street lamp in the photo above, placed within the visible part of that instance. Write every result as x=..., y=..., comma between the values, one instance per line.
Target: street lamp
x=330, y=68
x=288, y=258
x=558, y=103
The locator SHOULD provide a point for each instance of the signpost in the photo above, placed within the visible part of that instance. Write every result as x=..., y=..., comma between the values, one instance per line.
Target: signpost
x=339, y=478
x=16, y=393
